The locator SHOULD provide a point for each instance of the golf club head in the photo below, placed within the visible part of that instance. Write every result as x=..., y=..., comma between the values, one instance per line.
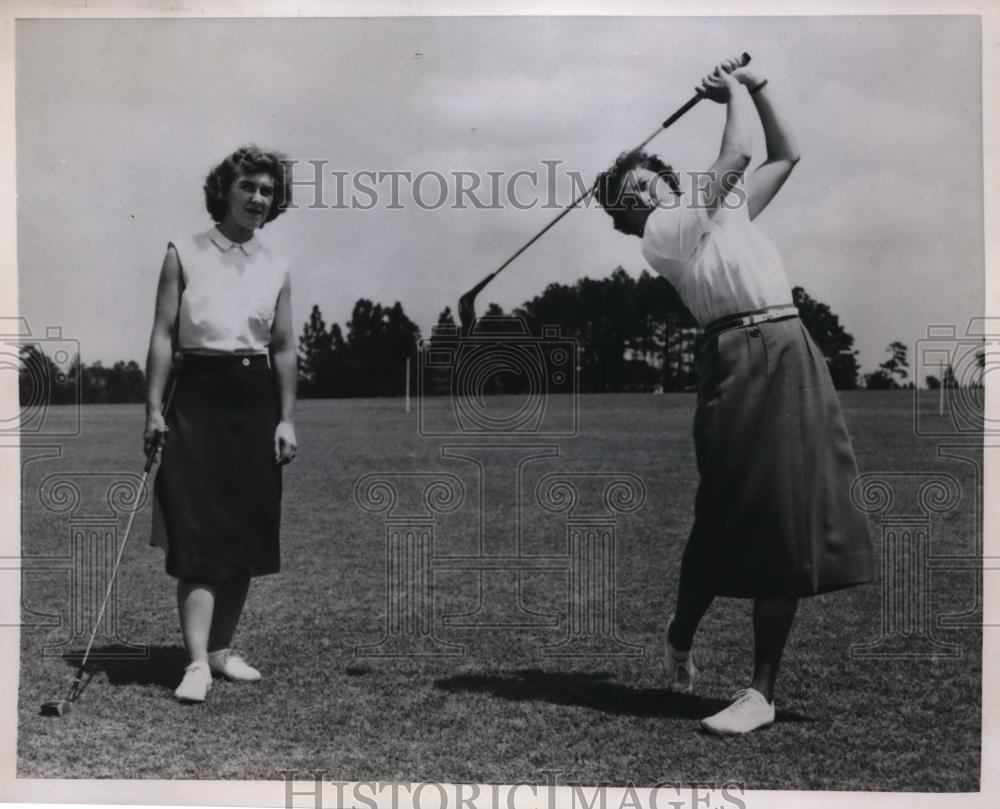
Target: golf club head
x=57, y=707
x=467, y=311
x=467, y=303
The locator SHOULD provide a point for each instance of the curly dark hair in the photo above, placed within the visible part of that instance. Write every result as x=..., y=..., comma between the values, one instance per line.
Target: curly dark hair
x=610, y=185
x=249, y=159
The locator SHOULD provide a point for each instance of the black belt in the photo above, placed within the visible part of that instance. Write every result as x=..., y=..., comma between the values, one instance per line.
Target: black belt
x=742, y=319
x=221, y=363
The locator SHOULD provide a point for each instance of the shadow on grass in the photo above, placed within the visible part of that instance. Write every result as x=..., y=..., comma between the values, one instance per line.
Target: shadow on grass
x=595, y=691
x=125, y=665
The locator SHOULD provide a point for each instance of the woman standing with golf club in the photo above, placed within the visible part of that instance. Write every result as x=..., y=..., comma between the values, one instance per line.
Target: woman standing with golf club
x=223, y=302
x=773, y=515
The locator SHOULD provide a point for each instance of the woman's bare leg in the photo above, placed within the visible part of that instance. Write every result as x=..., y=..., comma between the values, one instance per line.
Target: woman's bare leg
x=772, y=622
x=694, y=597
x=229, y=600
x=195, y=605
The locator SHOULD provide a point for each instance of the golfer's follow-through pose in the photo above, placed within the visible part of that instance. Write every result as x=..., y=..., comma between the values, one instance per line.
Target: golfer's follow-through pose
x=224, y=302
x=773, y=515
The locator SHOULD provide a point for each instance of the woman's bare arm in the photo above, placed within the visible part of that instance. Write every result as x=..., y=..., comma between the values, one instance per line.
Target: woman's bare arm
x=737, y=142
x=782, y=153
x=285, y=361
x=159, y=358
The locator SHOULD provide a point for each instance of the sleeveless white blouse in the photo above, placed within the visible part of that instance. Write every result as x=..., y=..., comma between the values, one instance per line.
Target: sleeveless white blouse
x=719, y=265
x=230, y=291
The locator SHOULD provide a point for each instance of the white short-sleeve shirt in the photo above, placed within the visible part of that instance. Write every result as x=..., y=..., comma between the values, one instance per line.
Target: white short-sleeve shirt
x=230, y=292
x=719, y=265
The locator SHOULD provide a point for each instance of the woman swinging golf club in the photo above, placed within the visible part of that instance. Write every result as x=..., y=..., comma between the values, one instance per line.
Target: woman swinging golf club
x=224, y=301
x=773, y=515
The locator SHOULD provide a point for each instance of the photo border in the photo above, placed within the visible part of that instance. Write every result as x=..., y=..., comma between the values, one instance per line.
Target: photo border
x=261, y=793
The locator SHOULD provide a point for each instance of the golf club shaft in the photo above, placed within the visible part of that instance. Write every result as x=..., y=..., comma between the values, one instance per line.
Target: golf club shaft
x=540, y=233
x=680, y=112
x=100, y=615
x=744, y=61
x=677, y=115
x=150, y=456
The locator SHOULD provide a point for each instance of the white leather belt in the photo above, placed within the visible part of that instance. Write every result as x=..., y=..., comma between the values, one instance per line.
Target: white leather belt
x=744, y=319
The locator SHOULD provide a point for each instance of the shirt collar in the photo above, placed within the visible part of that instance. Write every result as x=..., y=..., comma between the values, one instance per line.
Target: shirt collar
x=248, y=247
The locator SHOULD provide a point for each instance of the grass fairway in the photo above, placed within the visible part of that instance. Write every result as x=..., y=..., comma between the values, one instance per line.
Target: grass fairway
x=502, y=713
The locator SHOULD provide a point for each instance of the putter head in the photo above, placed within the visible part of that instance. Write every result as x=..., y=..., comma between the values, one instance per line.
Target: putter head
x=57, y=707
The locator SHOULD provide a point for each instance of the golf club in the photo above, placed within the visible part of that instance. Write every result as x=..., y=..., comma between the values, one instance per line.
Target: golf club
x=467, y=303
x=61, y=707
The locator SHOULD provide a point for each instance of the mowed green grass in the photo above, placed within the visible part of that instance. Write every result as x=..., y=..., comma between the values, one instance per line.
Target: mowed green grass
x=502, y=713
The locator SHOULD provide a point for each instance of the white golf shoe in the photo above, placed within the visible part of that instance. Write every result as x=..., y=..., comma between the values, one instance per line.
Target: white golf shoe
x=194, y=687
x=232, y=665
x=681, y=671
x=749, y=711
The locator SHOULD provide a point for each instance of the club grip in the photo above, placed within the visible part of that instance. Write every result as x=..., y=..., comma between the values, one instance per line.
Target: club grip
x=151, y=457
x=171, y=389
x=744, y=59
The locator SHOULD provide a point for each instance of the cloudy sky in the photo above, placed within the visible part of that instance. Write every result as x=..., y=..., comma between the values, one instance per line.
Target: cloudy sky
x=118, y=122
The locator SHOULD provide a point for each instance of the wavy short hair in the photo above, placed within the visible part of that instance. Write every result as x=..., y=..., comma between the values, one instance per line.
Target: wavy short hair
x=610, y=185
x=249, y=159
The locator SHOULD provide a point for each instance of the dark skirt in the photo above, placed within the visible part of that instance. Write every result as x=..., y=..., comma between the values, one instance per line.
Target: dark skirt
x=217, y=506
x=773, y=513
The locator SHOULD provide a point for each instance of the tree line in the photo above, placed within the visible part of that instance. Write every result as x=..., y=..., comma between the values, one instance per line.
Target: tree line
x=631, y=335
x=43, y=381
